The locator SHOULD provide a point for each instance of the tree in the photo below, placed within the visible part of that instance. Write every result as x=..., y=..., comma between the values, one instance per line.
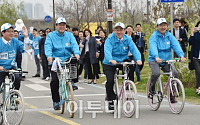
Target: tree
x=9, y=12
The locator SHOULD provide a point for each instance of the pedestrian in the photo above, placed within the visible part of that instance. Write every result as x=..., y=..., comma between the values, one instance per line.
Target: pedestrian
x=46, y=74
x=195, y=42
x=181, y=35
x=35, y=47
x=140, y=43
x=90, y=55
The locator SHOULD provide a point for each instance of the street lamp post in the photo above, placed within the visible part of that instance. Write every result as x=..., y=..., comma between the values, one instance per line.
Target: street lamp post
x=53, y=15
x=110, y=22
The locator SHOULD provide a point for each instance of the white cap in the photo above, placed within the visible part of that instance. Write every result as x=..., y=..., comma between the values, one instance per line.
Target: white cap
x=60, y=20
x=120, y=25
x=6, y=26
x=161, y=20
x=19, y=24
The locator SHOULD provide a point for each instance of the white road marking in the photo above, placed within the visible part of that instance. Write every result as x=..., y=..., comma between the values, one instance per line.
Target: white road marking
x=37, y=87
x=82, y=95
x=37, y=80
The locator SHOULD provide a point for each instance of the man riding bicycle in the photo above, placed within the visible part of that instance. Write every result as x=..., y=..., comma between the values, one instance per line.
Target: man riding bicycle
x=60, y=44
x=116, y=49
x=8, y=50
x=160, y=44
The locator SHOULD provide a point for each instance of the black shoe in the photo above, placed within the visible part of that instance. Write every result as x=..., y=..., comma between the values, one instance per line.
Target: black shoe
x=111, y=105
x=24, y=77
x=37, y=75
x=152, y=89
x=172, y=99
x=74, y=87
x=43, y=78
x=90, y=82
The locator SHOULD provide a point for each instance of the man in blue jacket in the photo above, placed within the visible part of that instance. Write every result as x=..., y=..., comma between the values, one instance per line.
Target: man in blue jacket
x=116, y=49
x=160, y=44
x=60, y=44
x=8, y=50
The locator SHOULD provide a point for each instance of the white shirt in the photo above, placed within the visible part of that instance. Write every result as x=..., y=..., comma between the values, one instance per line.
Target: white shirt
x=199, y=55
x=177, y=33
x=5, y=41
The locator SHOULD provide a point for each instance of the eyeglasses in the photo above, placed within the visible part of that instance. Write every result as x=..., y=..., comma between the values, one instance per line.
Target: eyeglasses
x=10, y=31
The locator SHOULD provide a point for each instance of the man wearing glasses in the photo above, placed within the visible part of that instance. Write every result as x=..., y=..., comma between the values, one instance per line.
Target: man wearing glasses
x=8, y=49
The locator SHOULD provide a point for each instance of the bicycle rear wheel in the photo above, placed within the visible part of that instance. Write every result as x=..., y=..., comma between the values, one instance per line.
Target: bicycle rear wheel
x=13, y=108
x=70, y=102
x=176, y=96
x=128, y=98
x=153, y=100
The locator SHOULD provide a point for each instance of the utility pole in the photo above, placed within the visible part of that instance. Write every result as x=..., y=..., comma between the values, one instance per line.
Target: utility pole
x=148, y=9
x=54, y=16
x=109, y=21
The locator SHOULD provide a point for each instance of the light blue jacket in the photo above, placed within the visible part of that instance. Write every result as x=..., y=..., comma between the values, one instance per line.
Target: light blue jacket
x=118, y=50
x=35, y=44
x=61, y=46
x=8, y=52
x=160, y=46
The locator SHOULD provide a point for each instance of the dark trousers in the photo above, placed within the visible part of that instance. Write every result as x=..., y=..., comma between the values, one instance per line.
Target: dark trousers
x=155, y=68
x=54, y=85
x=110, y=72
x=16, y=82
x=45, y=66
x=196, y=63
x=92, y=69
x=19, y=59
x=37, y=62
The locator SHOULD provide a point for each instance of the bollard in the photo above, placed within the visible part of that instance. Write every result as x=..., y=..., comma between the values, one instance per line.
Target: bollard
x=137, y=108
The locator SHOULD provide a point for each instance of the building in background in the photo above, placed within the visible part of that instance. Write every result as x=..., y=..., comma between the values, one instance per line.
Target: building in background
x=28, y=9
x=38, y=11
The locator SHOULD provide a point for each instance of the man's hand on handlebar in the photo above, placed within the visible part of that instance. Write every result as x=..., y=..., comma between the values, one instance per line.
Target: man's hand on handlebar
x=77, y=57
x=139, y=62
x=50, y=59
x=113, y=62
x=1, y=68
x=158, y=60
x=183, y=59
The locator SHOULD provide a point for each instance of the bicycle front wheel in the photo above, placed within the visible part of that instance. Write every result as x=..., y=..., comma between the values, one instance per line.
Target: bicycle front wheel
x=70, y=102
x=176, y=96
x=13, y=108
x=129, y=95
x=153, y=100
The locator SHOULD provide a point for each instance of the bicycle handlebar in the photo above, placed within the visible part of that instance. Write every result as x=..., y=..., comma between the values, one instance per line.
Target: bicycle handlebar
x=125, y=63
x=14, y=71
x=66, y=62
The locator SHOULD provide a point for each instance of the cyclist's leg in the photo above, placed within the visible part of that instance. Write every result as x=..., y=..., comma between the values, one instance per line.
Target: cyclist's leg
x=109, y=72
x=54, y=84
x=155, y=69
x=17, y=81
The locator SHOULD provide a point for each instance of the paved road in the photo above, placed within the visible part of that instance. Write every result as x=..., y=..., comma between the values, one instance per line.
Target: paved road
x=39, y=109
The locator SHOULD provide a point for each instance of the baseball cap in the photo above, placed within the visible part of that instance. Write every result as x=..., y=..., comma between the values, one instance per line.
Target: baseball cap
x=6, y=26
x=120, y=25
x=161, y=20
x=60, y=20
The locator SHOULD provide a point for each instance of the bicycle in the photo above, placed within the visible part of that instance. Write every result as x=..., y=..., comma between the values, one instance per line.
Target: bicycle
x=175, y=95
x=66, y=73
x=128, y=92
x=12, y=104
